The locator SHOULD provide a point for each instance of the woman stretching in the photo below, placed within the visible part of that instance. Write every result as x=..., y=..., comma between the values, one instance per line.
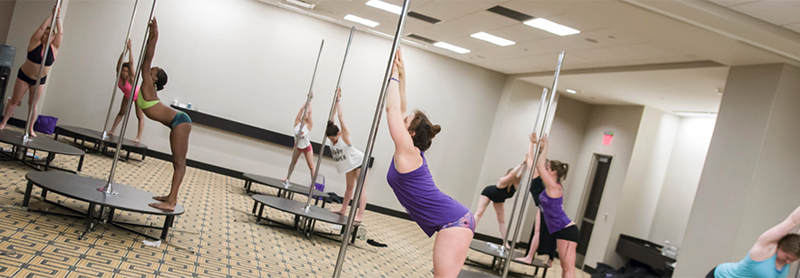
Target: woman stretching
x=301, y=141
x=28, y=72
x=180, y=124
x=497, y=194
x=348, y=160
x=413, y=185
x=125, y=84
x=770, y=257
x=542, y=242
x=558, y=223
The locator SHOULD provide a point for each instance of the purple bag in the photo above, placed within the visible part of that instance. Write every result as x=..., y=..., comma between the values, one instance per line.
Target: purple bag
x=320, y=187
x=45, y=124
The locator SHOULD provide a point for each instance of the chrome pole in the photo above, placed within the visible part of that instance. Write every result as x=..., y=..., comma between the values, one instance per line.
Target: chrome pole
x=119, y=69
x=108, y=189
x=35, y=93
x=330, y=117
x=303, y=117
x=542, y=130
x=373, y=133
x=524, y=193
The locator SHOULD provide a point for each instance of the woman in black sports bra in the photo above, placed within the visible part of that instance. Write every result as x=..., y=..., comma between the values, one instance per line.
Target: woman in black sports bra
x=497, y=193
x=26, y=76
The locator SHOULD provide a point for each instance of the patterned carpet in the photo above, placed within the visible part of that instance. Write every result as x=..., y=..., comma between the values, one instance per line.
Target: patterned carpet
x=217, y=225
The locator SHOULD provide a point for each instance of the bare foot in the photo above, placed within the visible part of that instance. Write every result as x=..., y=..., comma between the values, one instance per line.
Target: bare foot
x=161, y=198
x=2, y=126
x=137, y=140
x=526, y=260
x=163, y=206
x=338, y=211
x=32, y=134
x=549, y=263
x=358, y=219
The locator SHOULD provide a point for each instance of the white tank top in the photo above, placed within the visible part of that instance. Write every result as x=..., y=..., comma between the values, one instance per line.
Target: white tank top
x=301, y=137
x=346, y=156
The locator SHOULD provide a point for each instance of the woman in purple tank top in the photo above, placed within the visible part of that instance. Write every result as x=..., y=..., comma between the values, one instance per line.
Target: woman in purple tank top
x=412, y=182
x=558, y=223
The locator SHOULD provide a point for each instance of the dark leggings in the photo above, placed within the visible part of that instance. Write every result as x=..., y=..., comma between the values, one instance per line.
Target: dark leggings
x=711, y=273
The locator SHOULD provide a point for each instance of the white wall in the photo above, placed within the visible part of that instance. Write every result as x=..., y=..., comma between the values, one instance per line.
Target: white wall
x=6, y=12
x=624, y=122
x=644, y=180
x=681, y=180
x=252, y=62
x=749, y=182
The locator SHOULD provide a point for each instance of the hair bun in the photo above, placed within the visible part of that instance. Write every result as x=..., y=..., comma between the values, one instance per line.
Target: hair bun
x=435, y=129
x=330, y=123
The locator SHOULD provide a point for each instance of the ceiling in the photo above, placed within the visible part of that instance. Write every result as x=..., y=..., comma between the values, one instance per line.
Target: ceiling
x=614, y=34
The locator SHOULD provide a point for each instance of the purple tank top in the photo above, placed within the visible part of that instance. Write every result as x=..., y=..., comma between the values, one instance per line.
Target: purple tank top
x=553, y=211
x=425, y=203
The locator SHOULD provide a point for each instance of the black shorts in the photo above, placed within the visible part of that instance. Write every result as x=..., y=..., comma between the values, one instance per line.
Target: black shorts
x=570, y=233
x=22, y=76
x=497, y=195
x=711, y=274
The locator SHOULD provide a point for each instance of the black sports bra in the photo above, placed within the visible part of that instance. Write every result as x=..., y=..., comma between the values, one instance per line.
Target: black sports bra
x=35, y=56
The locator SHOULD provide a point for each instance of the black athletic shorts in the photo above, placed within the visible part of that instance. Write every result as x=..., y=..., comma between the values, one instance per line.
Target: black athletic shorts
x=570, y=233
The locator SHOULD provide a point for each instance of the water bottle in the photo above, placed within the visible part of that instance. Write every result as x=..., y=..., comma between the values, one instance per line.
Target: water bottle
x=664, y=249
x=362, y=232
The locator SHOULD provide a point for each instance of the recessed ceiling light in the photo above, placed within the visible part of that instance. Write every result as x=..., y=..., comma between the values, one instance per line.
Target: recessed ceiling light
x=551, y=27
x=456, y=49
x=492, y=39
x=301, y=4
x=385, y=6
x=359, y=20
x=571, y=91
x=695, y=114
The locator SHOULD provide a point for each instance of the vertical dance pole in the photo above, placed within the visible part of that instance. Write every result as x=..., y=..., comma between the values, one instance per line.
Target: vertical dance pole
x=542, y=130
x=373, y=133
x=119, y=69
x=108, y=188
x=330, y=117
x=286, y=184
x=35, y=93
x=524, y=193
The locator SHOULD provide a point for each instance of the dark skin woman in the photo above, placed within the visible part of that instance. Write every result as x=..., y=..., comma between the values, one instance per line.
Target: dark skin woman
x=153, y=79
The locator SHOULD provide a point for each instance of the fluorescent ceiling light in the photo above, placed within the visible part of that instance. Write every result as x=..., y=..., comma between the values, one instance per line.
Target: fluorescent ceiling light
x=456, y=49
x=551, y=27
x=571, y=91
x=385, y=6
x=695, y=114
x=359, y=20
x=492, y=39
x=301, y=4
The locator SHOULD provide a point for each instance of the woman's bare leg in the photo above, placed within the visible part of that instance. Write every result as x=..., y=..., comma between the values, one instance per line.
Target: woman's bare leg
x=534, y=242
x=566, y=253
x=179, y=143
x=120, y=114
x=20, y=87
x=450, y=251
x=483, y=203
x=295, y=156
x=33, y=104
x=140, y=117
x=500, y=213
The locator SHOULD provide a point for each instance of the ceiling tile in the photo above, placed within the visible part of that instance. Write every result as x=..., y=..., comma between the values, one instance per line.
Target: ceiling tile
x=452, y=9
x=465, y=26
x=793, y=27
x=777, y=12
x=728, y=3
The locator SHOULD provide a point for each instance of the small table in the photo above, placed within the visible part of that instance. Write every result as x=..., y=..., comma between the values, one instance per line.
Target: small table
x=85, y=189
x=499, y=259
x=305, y=221
x=101, y=144
x=52, y=147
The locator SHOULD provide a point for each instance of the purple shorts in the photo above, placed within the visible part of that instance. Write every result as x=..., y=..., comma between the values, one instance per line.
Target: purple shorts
x=467, y=221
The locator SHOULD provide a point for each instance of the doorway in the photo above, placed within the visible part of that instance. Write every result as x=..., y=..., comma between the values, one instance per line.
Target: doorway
x=590, y=203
